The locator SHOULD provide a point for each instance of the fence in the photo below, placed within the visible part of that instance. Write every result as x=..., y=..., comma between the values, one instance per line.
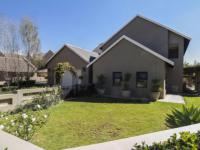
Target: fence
x=10, y=101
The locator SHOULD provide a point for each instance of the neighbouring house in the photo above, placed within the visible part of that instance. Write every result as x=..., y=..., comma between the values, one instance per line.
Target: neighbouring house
x=77, y=57
x=14, y=66
x=47, y=56
x=40, y=76
x=147, y=50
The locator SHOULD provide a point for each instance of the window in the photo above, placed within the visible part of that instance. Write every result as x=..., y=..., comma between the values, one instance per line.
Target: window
x=141, y=79
x=173, y=51
x=117, y=78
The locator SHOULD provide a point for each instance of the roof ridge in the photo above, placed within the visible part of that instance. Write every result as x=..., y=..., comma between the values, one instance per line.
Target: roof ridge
x=79, y=48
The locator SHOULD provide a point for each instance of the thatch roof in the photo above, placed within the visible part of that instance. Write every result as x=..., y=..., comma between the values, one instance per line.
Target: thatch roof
x=15, y=63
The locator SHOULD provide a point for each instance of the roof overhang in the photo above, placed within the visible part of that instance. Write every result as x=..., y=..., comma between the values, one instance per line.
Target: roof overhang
x=146, y=49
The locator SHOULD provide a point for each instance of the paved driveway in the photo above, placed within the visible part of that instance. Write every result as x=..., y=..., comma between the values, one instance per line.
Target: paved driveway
x=170, y=98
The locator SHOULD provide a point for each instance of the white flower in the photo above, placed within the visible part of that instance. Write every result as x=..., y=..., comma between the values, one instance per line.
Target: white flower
x=29, y=129
x=21, y=126
x=2, y=116
x=12, y=123
x=6, y=118
x=1, y=127
x=24, y=116
x=33, y=119
x=38, y=106
x=45, y=116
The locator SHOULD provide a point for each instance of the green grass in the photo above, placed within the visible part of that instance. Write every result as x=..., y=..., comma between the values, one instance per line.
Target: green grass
x=73, y=124
x=192, y=101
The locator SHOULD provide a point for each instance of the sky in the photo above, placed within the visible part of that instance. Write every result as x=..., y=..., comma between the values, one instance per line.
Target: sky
x=87, y=23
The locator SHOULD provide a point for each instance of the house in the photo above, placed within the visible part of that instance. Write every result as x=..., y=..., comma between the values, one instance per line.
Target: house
x=147, y=50
x=40, y=76
x=12, y=66
x=77, y=57
x=47, y=56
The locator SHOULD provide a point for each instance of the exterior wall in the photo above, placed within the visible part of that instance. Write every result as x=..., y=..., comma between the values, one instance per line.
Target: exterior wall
x=175, y=75
x=158, y=39
x=128, y=58
x=65, y=55
x=146, y=33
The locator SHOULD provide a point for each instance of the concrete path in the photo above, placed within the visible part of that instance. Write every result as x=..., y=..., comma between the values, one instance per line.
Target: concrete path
x=14, y=143
x=127, y=143
x=170, y=98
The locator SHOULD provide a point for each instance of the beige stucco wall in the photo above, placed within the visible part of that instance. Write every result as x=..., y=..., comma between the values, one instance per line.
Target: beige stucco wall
x=65, y=55
x=128, y=58
x=158, y=39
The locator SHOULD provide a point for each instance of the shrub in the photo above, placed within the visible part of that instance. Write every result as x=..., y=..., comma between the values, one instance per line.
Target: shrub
x=61, y=68
x=127, y=78
x=41, y=101
x=9, y=89
x=156, y=85
x=181, y=117
x=101, y=80
x=23, y=125
x=187, y=141
x=28, y=83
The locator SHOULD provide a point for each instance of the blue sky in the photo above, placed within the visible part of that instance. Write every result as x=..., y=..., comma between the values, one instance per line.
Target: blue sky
x=86, y=23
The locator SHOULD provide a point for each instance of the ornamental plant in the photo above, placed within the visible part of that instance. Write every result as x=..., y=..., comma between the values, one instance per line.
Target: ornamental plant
x=101, y=80
x=127, y=78
x=156, y=85
x=186, y=141
x=23, y=125
x=61, y=68
x=41, y=101
x=181, y=117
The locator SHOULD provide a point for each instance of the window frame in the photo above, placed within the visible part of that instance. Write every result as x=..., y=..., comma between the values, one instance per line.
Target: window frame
x=113, y=79
x=140, y=80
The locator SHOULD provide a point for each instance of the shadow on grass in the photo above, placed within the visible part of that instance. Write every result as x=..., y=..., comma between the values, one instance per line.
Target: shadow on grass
x=109, y=100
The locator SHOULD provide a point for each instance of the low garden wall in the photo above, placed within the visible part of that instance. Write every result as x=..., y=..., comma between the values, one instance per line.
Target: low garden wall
x=127, y=143
x=14, y=143
x=9, y=101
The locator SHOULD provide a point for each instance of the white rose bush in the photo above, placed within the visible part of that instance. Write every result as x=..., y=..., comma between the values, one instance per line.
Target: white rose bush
x=23, y=125
x=26, y=119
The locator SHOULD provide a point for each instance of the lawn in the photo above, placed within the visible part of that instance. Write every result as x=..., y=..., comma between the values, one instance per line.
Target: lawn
x=73, y=124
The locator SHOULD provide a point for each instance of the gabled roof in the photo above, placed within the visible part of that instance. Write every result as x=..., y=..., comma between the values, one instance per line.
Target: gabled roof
x=47, y=56
x=82, y=53
x=187, y=38
x=146, y=49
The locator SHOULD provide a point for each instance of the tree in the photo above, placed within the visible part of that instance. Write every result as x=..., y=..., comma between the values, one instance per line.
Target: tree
x=9, y=45
x=30, y=40
x=186, y=64
x=196, y=63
